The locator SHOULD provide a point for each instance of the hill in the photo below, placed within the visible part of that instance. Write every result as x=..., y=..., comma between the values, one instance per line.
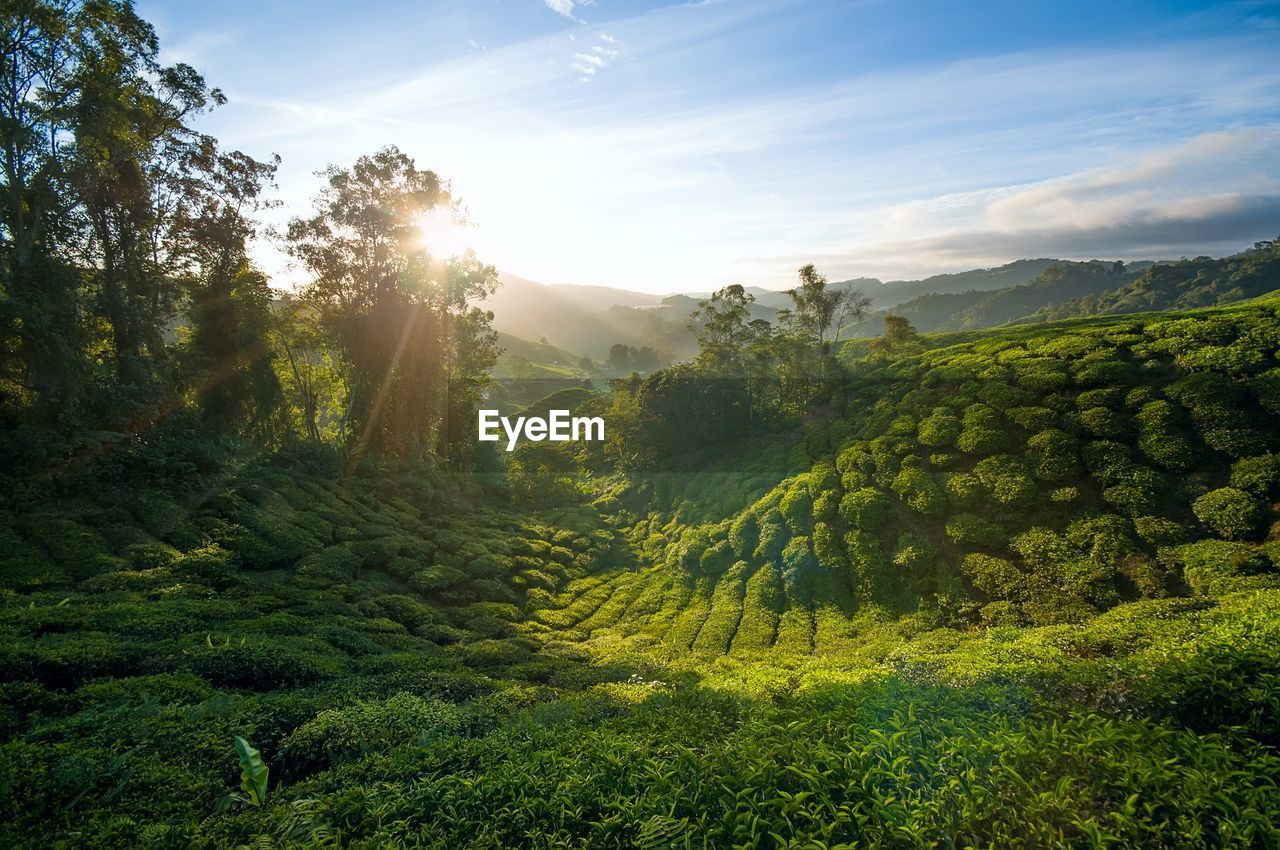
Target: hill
x=1011, y=556
x=521, y=358
x=590, y=319
x=977, y=280
x=1065, y=290
x=572, y=318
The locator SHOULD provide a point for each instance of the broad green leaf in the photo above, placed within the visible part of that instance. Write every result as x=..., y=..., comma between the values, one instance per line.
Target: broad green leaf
x=253, y=772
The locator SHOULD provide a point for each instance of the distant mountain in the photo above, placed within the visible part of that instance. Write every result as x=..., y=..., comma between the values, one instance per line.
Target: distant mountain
x=604, y=297
x=570, y=317
x=1183, y=285
x=590, y=320
x=1067, y=290
x=1059, y=283
x=976, y=280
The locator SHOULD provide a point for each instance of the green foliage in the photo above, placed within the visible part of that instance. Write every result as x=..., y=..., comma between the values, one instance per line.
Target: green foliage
x=972, y=530
x=253, y=773
x=1006, y=480
x=994, y=577
x=1258, y=475
x=864, y=508
x=1218, y=566
x=917, y=488
x=1052, y=454
x=940, y=429
x=1232, y=513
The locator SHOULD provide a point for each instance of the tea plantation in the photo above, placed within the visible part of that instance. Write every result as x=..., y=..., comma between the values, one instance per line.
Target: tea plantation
x=1017, y=589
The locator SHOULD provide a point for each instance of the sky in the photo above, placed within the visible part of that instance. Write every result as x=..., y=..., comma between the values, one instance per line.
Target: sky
x=669, y=147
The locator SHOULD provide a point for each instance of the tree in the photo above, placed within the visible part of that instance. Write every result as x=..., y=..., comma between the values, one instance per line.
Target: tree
x=620, y=357
x=37, y=65
x=645, y=358
x=230, y=301
x=132, y=173
x=820, y=309
x=851, y=308
x=899, y=337
x=418, y=352
x=722, y=325
x=311, y=375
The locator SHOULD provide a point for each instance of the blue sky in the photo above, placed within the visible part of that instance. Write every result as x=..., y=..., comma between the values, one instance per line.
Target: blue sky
x=665, y=147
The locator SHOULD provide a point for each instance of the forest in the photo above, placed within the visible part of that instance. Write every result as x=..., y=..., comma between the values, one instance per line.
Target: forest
x=844, y=578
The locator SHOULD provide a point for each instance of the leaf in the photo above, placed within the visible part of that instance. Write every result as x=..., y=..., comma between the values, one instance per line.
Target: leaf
x=253, y=773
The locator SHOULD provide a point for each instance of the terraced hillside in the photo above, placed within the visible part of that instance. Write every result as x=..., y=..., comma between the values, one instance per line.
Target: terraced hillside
x=1030, y=476
x=1016, y=589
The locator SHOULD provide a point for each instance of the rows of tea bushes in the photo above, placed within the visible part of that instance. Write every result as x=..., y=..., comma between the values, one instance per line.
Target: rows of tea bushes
x=1029, y=476
x=883, y=763
x=321, y=618
x=1015, y=590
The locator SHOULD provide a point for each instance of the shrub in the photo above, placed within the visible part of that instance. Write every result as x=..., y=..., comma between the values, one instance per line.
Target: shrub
x=1259, y=475
x=338, y=735
x=979, y=440
x=973, y=530
x=1052, y=455
x=1237, y=442
x=864, y=508
x=1137, y=492
x=436, y=578
x=773, y=536
x=1102, y=421
x=940, y=429
x=827, y=548
x=1160, y=437
x=716, y=558
x=744, y=534
x=208, y=563
x=335, y=564
x=1006, y=479
x=1033, y=419
x=868, y=562
x=962, y=488
x=797, y=509
x=258, y=665
x=1232, y=513
x=1213, y=567
x=1159, y=531
x=1266, y=389
x=826, y=504
x=994, y=577
x=918, y=489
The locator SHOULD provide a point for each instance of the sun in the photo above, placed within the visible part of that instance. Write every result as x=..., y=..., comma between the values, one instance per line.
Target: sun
x=441, y=235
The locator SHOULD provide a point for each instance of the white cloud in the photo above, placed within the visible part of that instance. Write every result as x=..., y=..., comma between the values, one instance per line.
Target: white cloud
x=907, y=171
x=567, y=7
x=561, y=7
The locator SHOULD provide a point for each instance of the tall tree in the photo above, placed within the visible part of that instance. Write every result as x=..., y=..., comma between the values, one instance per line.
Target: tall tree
x=899, y=337
x=130, y=170
x=39, y=54
x=819, y=309
x=723, y=326
x=417, y=349
x=230, y=301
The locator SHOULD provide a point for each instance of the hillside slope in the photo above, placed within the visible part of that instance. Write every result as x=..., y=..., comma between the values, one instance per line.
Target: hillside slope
x=1030, y=477
x=1016, y=589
